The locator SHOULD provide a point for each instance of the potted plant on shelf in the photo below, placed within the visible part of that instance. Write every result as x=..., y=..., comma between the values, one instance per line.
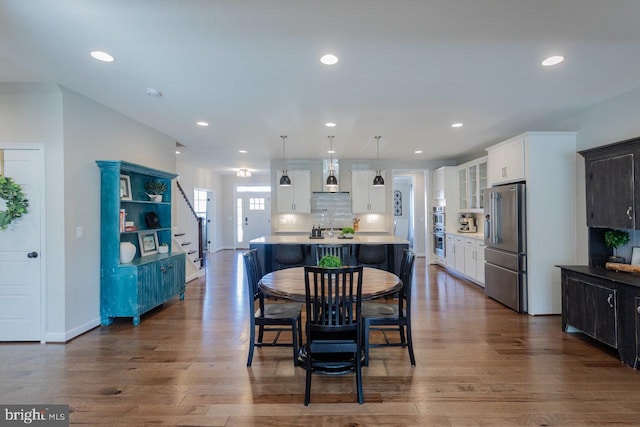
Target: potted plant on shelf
x=613, y=239
x=155, y=190
x=330, y=261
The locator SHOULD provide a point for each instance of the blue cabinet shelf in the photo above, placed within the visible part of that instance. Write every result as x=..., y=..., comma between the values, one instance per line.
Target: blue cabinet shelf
x=131, y=289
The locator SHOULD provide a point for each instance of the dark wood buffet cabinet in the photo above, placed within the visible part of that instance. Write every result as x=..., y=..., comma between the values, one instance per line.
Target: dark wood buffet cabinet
x=601, y=303
x=605, y=305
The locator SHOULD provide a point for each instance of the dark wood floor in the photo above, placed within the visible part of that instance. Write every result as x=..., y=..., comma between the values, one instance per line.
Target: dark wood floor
x=478, y=363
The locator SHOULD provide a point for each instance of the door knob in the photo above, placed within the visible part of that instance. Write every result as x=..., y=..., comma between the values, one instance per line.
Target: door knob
x=32, y=255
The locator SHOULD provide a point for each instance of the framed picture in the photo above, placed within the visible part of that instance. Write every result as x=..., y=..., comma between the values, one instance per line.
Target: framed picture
x=148, y=243
x=125, y=187
x=635, y=256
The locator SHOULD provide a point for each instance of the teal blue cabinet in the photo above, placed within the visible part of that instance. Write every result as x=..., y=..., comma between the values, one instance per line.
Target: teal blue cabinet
x=151, y=278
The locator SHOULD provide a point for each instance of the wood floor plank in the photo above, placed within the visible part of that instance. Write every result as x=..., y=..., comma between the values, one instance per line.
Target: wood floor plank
x=477, y=364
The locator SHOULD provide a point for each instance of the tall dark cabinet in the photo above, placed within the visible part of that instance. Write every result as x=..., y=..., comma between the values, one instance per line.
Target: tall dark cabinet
x=612, y=175
x=601, y=303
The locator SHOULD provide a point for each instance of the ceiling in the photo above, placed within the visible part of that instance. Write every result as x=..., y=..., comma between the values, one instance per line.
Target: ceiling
x=407, y=70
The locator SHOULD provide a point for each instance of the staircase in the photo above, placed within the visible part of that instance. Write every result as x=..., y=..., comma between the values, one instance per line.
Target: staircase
x=191, y=240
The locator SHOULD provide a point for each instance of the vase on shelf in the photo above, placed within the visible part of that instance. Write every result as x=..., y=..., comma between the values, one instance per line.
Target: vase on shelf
x=127, y=252
x=155, y=197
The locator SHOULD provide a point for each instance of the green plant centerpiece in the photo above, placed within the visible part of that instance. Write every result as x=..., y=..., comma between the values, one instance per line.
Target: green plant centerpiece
x=613, y=239
x=155, y=189
x=330, y=261
x=15, y=201
x=347, y=232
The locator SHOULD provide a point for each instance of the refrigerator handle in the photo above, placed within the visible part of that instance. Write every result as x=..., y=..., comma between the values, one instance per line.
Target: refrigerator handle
x=487, y=227
x=494, y=221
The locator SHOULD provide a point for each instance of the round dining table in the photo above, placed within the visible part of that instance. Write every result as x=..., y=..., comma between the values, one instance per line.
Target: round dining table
x=289, y=284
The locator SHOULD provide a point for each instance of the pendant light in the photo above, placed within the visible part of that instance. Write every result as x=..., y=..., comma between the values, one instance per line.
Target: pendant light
x=285, y=181
x=332, y=182
x=378, y=181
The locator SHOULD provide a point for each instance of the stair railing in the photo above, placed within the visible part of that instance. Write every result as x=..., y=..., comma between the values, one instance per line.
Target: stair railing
x=201, y=228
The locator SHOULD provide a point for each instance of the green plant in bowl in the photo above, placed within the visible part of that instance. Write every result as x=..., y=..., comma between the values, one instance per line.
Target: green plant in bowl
x=330, y=261
x=347, y=231
x=615, y=238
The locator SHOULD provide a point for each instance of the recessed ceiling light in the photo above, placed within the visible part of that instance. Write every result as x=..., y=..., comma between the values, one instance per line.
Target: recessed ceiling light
x=329, y=59
x=153, y=92
x=330, y=125
x=418, y=152
x=202, y=124
x=102, y=56
x=331, y=151
x=457, y=125
x=552, y=60
x=177, y=152
x=243, y=151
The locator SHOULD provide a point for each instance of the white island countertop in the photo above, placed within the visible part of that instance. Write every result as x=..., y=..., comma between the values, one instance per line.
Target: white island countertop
x=356, y=240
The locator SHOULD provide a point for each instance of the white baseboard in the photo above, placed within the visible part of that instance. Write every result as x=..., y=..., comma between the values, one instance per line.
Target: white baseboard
x=72, y=333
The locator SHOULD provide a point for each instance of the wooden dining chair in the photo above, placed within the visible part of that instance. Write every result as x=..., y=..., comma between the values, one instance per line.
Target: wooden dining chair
x=269, y=317
x=341, y=251
x=332, y=301
x=395, y=316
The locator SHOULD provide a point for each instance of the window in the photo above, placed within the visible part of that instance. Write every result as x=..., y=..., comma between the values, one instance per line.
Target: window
x=256, y=203
x=239, y=218
x=200, y=203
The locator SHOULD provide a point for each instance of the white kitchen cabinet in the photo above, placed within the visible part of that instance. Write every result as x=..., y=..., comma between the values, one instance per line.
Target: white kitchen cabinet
x=438, y=185
x=450, y=251
x=465, y=255
x=472, y=181
x=507, y=161
x=470, y=257
x=459, y=253
x=480, y=262
x=366, y=198
x=297, y=197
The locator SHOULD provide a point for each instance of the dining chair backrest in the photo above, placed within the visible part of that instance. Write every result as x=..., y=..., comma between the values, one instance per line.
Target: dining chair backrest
x=406, y=275
x=254, y=274
x=341, y=251
x=333, y=299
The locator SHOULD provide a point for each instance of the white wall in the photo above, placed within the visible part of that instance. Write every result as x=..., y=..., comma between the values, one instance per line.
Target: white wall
x=192, y=177
x=611, y=121
x=32, y=114
x=76, y=132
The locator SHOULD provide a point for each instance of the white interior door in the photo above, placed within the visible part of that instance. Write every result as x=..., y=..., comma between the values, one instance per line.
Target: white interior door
x=20, y=252
x=253, y=217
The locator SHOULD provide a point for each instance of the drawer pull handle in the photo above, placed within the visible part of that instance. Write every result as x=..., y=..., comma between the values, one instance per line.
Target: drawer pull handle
x=610, y=300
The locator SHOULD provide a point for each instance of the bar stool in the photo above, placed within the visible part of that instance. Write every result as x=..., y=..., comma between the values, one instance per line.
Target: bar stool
x=372, y=255
x=288, y=255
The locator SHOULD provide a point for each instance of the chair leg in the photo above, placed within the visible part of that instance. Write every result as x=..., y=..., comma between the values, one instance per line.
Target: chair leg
x=403, y=339
x=252, y=338
x=410, y=345
x=260, y=333
x=307, y=388
x=294, y=338
x=365, y=338
x=358, y=359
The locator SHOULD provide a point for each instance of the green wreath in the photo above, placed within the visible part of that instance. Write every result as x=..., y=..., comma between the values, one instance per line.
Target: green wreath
x=16, y=203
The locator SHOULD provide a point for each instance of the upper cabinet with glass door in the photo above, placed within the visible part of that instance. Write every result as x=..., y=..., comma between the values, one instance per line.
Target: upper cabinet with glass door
x=472, y=181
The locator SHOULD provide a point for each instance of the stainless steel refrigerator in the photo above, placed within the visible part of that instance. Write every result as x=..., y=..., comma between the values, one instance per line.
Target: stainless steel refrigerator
x=505, y=277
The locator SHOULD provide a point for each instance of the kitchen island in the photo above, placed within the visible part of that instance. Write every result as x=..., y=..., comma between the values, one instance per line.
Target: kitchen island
x=393, y=245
